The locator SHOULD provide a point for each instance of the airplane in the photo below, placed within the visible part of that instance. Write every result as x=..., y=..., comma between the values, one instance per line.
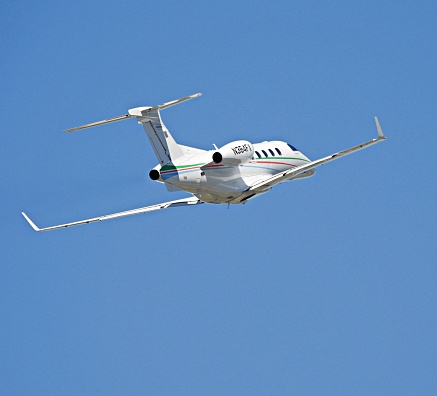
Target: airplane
x=232, y=174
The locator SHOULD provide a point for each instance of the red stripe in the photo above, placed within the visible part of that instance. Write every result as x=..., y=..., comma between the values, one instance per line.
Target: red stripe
x=213, y=166
x=275, y=162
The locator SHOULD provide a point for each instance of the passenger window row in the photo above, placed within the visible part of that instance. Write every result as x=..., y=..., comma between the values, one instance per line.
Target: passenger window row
x=265, y=153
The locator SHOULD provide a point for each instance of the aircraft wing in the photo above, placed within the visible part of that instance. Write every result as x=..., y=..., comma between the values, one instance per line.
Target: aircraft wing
x=291, y=173
x=180, y=202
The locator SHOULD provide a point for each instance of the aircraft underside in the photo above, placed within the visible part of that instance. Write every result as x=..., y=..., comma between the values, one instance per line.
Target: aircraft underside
x=223, y=186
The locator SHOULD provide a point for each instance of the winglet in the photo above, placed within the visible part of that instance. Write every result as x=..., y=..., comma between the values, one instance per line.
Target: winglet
x=32, y=224
x=378, y=127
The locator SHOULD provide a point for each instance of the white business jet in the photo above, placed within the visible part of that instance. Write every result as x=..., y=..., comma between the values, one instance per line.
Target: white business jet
x=232, y=174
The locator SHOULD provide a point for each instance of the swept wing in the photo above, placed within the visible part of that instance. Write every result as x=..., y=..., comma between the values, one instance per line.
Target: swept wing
x=292, y=173
x=165, y=205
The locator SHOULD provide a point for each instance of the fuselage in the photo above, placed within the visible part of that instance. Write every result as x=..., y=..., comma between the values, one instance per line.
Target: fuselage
x=219, y=183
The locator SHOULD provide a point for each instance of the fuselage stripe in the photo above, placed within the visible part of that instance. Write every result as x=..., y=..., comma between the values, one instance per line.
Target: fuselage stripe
x=275, y=162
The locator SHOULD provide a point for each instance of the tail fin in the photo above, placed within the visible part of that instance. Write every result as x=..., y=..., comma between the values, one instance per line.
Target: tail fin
x=165, y=147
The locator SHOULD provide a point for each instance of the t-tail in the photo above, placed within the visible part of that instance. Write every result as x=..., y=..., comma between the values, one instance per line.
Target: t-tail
x=165, y=147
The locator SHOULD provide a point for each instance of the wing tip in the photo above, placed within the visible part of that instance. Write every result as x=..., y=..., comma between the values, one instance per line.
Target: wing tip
x=32, y=224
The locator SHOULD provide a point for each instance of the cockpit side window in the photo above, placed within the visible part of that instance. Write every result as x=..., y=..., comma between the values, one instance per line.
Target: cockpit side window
x=293, y=148
x=272, y=153
x=264, y=153
x=257, y=154
x=278, y=151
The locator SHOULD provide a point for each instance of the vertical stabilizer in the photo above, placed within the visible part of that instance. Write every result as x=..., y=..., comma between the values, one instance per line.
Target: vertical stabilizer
x=165, y=147
x=163, y=144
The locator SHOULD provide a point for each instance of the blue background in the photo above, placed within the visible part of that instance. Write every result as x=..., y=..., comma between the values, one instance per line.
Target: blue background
x=323, y=286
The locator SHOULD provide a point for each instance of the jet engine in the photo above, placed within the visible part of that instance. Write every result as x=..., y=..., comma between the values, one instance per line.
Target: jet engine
x=234, y=153
x=154, y=174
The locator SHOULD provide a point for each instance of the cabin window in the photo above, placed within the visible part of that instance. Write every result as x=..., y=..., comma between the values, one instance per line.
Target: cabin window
x=264, y=153
x=257, y=154
x=272, y=153
x=293, y=148
x=278, y=151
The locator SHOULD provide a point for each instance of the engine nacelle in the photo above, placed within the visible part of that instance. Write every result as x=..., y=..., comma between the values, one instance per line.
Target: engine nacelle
x=154, y=174
x=234, y=153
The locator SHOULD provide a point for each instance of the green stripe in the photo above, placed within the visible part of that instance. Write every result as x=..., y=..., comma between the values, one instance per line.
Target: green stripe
x=181, y=167
x=174, y=167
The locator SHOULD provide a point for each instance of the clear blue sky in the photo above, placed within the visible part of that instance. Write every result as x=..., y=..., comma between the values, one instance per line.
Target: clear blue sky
x=326, y=286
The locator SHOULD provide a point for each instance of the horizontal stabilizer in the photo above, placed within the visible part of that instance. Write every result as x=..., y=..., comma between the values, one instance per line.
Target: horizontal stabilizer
x=97, y=123
x=141, y=111
x=137, y=112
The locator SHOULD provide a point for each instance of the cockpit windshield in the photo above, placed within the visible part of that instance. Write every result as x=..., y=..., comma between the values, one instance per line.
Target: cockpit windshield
x=292, y=147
